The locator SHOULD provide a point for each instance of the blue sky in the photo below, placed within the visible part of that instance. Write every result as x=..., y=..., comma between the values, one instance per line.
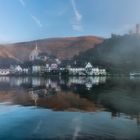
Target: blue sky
x=23, y=20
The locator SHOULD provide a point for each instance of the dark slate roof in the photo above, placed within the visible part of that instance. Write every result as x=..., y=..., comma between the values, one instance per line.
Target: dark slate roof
x=26, y=64
x=4, y=67
x=43, y=54
x=51, y=61
x=73, y=64
x=38, y=63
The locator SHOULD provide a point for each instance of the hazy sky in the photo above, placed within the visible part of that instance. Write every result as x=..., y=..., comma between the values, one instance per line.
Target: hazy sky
x=22, y=20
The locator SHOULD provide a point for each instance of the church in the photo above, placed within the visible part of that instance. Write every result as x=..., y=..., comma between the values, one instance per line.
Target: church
x=34, y=54
x=41, y=61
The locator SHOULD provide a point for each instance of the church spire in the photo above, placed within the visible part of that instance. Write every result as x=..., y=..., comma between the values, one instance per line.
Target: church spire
x=36, y=47
x=34, y=54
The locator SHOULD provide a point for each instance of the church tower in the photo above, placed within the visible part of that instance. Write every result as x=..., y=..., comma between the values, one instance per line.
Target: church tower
x=34, y=54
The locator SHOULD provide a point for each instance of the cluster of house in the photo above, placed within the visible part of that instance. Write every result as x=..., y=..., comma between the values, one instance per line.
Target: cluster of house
x=87, y=70
x=40, y=63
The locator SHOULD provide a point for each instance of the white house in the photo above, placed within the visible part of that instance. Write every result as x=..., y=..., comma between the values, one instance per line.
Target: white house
x=25, y=70
x=102, y=72
x=16, y=69
x=38, y=67
x=81, y=71
x=4, y=71
x=89, y=69
x=89, y=66
x=96, y=71
x=76, y=71
x=54, y=66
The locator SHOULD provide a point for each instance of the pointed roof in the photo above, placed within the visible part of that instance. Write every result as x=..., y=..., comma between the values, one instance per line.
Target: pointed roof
x=34, y=53
x=36, y=47
x=35, y=50
x=89, y=65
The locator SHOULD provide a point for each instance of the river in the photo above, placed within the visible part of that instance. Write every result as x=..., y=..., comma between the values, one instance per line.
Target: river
x=56, y=108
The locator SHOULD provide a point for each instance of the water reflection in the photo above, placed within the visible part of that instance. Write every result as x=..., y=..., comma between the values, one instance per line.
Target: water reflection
x=112, y=105
x=87, y=81
x=49, y=92
x=39, y=81
x=74, y=93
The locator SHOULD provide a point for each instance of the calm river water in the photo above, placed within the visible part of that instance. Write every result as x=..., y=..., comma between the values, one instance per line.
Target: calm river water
x=74, y=108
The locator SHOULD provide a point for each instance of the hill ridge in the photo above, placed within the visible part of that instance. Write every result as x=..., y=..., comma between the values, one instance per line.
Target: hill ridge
x=63, y=47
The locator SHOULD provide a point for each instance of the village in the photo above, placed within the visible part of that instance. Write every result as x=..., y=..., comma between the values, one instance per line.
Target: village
x=40, y=63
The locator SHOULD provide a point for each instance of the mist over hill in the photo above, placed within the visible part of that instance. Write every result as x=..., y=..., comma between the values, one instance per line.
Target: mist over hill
x=117, y=54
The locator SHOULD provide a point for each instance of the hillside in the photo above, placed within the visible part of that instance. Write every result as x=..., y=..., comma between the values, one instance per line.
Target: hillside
x=63, y=48
x=117, y=54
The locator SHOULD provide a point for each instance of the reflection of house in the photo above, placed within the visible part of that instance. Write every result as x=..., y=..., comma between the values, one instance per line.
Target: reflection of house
x=37, y=81
x=4, y=79
x=86, y=80
x=18, y=81
x=4, y=71
x=34, y=96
